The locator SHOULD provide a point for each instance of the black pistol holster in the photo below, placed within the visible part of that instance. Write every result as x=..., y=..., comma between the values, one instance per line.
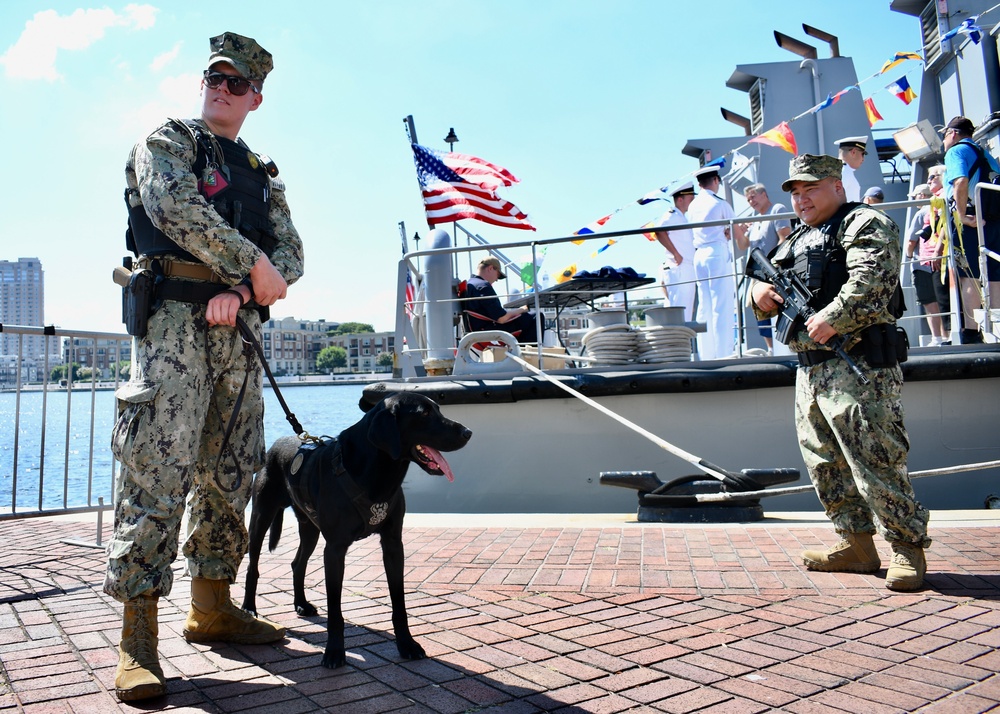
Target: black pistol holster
x=138, y=302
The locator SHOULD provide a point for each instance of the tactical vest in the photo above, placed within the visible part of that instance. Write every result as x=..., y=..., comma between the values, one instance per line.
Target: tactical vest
x=233, y=179
x=824, y=269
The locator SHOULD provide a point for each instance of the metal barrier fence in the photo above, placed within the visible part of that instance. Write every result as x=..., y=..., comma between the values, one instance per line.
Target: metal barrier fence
x=101, y=351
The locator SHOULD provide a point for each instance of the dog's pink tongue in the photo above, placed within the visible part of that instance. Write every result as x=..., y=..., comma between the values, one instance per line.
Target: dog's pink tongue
x=440, y=461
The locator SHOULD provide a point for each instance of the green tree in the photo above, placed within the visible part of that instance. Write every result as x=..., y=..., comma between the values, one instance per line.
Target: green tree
x=351, y=328
x=331, y=358
x=384, y=359
x=58, y=373
x=124, y=369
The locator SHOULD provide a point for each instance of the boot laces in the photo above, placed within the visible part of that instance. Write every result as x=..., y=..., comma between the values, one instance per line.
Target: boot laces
x=905, y=555
x=141, y=647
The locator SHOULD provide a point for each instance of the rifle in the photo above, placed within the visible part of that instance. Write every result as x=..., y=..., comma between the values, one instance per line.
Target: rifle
x=795, y=310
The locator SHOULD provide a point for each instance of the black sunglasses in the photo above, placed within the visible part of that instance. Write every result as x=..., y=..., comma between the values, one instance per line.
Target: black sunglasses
x=238, y=86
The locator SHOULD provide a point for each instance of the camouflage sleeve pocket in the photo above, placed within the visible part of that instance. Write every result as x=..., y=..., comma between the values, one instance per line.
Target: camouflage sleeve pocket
x=134, y=399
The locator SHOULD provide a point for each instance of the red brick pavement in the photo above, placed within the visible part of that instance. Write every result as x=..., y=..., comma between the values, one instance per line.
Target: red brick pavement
x=610, y=618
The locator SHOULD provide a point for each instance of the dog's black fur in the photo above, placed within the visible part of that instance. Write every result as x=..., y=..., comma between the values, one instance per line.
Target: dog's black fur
x=376, y=453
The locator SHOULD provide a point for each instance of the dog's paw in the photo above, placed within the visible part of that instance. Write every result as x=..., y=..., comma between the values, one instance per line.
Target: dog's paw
x=334, y=658
x=410, y=650
x=306, y=610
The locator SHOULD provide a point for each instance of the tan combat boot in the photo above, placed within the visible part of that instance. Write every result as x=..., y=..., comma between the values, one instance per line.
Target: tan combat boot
x=908, y=567
x=855, y=553
x=139, y=675
x=214, y=618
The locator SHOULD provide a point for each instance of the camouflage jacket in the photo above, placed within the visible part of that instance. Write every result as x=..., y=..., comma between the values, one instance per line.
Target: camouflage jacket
x=871, y=241
x=161, y=169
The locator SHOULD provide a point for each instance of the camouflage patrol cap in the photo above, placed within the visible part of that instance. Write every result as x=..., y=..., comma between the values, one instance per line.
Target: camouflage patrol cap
x=812, y=167
x=243, y=53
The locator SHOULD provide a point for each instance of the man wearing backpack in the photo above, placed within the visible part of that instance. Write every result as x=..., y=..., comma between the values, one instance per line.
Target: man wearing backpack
x=208, y=219
x=966, y=164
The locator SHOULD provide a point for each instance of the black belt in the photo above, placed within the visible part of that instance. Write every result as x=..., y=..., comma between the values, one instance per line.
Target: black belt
x=199, y=292
x=811, y=358
x=188, y=290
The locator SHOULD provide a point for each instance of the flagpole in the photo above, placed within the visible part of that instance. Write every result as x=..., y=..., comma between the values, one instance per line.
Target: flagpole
x=411, y=134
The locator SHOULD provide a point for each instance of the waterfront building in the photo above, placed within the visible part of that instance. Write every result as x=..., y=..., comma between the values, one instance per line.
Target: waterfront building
x=22, y=302
x=363, y=349
x=291, y=345
x=99, y=354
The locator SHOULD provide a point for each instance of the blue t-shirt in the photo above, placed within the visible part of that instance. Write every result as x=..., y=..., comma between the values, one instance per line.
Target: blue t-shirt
x=958, y=163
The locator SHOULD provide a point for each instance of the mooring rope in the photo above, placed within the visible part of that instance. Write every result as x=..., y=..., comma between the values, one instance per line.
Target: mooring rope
x=716, y=471
x=789, y=490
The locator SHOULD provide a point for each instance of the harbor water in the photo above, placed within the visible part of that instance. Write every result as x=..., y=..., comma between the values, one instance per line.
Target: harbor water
x=84, y=470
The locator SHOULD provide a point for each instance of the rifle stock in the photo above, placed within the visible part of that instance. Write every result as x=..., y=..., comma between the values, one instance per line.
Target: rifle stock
x=795, y=310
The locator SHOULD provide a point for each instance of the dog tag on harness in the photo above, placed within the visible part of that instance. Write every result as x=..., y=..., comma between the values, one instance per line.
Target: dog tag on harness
x=297, y=462
x=213, y=180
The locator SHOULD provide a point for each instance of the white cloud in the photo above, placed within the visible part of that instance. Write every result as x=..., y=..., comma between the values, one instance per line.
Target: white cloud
x=175, y=97
x=162, y=60
x=34, y=54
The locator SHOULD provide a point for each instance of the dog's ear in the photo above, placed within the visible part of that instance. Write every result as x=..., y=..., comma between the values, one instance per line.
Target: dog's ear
x=365, y=403
x=383, y=432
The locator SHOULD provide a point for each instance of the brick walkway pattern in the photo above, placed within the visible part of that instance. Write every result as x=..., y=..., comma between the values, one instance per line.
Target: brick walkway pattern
x=636, y=618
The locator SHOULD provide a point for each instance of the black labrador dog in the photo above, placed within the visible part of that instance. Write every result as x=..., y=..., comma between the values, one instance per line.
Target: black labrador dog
x=347, y=489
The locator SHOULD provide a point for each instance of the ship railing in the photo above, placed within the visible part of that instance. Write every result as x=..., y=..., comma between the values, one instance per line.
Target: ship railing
x=39, y=487
x=410, y=344
x=985, y=256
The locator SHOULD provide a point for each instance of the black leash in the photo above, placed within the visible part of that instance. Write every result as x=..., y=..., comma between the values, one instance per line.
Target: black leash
x=249, y=341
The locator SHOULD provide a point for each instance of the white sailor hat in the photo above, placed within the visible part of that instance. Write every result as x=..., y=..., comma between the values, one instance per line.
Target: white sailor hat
x=852, y=142
x=686, y=188
x=707, y=171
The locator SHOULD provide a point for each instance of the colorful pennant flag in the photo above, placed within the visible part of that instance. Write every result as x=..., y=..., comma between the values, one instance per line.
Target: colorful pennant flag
x=448, y=197
x=898, y=59
x=655, y=195
x=832, y=99
x=591, y=228
x=780, y=136
x=611, y=242
x=968, y=27
x=566, y=273
x=901, y=88
x=528, y=274
x=872, y=112
x=649, y=236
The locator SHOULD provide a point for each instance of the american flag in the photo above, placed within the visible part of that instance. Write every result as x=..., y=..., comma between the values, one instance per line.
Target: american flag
x=410, y=293
x=457, y=186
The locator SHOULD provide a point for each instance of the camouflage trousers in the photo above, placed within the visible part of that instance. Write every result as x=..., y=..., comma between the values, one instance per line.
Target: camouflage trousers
x=854, y=445
x=171, y=419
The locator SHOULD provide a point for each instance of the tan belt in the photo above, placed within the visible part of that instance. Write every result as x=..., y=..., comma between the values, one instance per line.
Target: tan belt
x=175, y=269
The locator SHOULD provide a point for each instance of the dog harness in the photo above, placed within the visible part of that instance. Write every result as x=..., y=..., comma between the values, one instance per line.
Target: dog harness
x=316, y=461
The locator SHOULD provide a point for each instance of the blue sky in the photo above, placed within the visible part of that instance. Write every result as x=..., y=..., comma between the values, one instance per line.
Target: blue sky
x=588, y=103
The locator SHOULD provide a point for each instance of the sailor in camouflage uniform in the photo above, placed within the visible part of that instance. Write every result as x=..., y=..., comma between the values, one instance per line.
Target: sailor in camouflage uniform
x=210, y=220
x=851, y=435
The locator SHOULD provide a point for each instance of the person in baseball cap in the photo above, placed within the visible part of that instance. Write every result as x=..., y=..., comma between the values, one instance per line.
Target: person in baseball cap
x=218, y=226
x=850, y=431
x=484, y=311
x=812, y=167
x=873, y=195
x=243, y=54
x=491, y=262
